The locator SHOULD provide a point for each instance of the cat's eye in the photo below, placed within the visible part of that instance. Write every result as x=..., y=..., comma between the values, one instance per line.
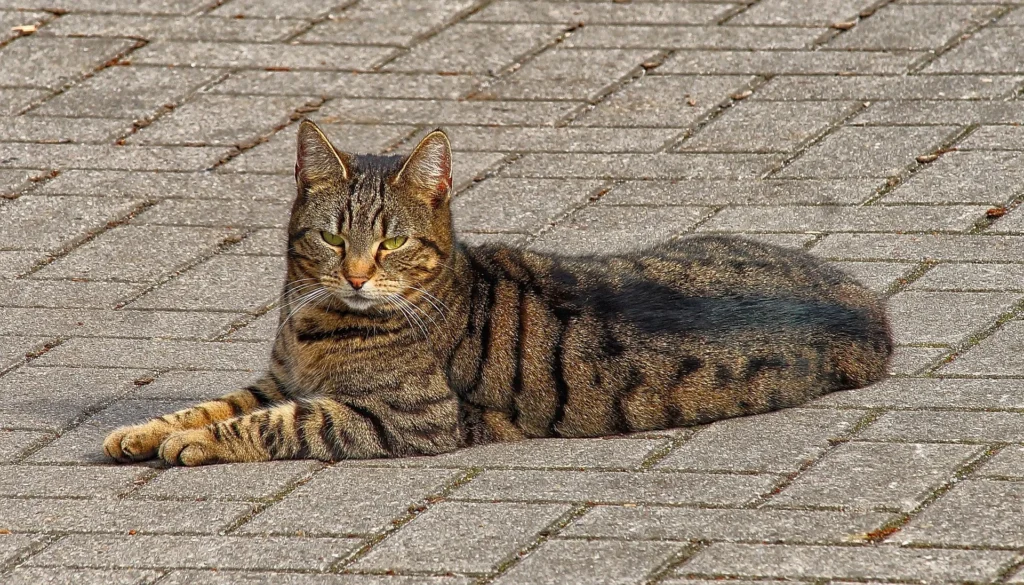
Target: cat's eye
x=332, y=239
x=393, y=243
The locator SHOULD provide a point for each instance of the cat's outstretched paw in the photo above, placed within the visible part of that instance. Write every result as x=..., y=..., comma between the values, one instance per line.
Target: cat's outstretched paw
x=135, y=442
x=191, y=447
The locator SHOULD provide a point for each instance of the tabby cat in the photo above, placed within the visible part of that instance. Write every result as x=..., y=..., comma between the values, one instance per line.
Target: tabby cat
x=396, y=340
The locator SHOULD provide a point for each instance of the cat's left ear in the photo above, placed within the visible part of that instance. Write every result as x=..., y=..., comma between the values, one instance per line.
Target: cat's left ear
x=427, y=173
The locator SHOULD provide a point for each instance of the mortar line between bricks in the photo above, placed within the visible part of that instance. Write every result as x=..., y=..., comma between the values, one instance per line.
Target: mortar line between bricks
x=545, y=534
x=267, y=503
x=167, y=109
x=716, y=111
x=51, y=342
x=965, y=34
x=834, y=32
x=731, y=14
x=112, y=62
x=567, y=214
x=948, y=144
x=959, y=349
x=675, y=561
x=839, y=122
x=310, y=24
x=43, y=24
x=297, y=114
x=41, y=544
x=419, y=39
x=397, y=523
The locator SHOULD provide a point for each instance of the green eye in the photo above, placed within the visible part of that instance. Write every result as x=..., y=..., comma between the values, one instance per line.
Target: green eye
x=393, y=243
x=332, y=239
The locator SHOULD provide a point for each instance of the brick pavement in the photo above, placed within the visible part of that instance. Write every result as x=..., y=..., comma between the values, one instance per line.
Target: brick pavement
x=145, y=159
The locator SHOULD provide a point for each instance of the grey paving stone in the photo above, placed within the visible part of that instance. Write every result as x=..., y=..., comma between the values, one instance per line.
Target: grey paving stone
x=1007, y=464
x=119, y=516
x=50, y=223
x=263, y=242
x=171, y=185
x=62, y=294
x=926, y=425
x=143, y=253
x=998, y=355
x=350, y=84
x=616, y=487
x=592, y=13
x=156, y=353
x=805, y=12
x=957, y=519
x=898, y=27
x=27, y=394
x=994, y=138
x=692, y=37
x=916, y=247
x=740, y=192
x=133, y=92
x=52, y=576
x=869, y=475
x=214, y=213
x=908, y=360
x=479, y=238
x=779, y=442
x=559, y=139
x=825, y=219
x=964, y=177
x=575, y=454
x=643, y=166
x=569, y=74
x=50, y=62
x=90, y=156
x=941, y=112
x=580, y=561
x=374, y=23
x=9, y=20
x=447, y=113
x=53, y=129
x=260, y=56
x=464, y=537
x=766, y=127
x=14, y=263
x=1010, y=224
x=197, y=385
x=96, y=323
x=672, y=523
x=63, y=481
x=16, y=99
x=834, y=562
x=972, y=277
x=307, y=9
x=915, y=393
x=468, y=47
x=468, y=168
x=227, y=552
x=262, y=329
x=519, y=205
x=789, y=62
x=878, y=276
x=879, y=87
x=14, y=181
x=14, y=444
x=223, y=283
x=854, y=151
x=277, y=155
x=953, y=315
x=12, y=545
x=220, y=577
x=237, y=481
x=221, y=120
x=117, y=6
x=990, y=50
x=151, y=27
x=606, y=228
x=361, y=501
x=663, y=101
x=14, y=349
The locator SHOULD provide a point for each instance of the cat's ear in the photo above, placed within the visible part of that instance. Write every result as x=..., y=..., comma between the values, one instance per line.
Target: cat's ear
x=427, y=173
x=316, y=158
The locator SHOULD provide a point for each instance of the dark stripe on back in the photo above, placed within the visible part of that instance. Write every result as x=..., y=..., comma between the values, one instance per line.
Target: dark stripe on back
x=378, y=427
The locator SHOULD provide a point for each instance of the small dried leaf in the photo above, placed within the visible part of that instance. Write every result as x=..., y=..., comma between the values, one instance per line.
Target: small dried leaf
x=691, y=102
x=927, y=158
x=742, y=95
x=845, y=25
x=133, y=532
x=995, y=212
x=25, y=29
x=649, y=65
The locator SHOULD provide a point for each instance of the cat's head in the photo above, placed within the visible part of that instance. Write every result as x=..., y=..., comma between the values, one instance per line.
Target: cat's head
x=365, y=227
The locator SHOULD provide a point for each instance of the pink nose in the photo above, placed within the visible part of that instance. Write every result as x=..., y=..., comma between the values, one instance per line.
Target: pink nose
x=357, y=282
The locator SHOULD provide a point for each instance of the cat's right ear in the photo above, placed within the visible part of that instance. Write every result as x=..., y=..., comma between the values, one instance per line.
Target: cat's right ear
x=316, y=158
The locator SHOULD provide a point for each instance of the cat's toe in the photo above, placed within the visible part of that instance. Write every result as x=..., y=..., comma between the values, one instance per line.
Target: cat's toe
x=189, y=448
x=133, y=443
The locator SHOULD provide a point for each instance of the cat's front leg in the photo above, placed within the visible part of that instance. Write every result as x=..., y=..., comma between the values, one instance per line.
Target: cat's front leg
x=141, y=441
x=420, y=422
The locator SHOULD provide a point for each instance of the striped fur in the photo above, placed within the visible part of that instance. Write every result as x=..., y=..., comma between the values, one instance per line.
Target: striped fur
x=447, y=345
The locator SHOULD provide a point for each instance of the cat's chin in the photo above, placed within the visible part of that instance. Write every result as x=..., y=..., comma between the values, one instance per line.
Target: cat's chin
x=359, y=303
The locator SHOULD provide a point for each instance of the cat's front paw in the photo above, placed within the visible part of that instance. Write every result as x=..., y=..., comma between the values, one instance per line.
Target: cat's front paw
x=191, y=447
x=135, y=442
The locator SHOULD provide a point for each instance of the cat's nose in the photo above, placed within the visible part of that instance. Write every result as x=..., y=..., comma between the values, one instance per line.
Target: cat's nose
x=357, y=282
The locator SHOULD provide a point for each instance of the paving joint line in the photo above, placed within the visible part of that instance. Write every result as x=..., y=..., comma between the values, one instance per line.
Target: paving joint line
x=311, y=23
x=965, y=34
x=837, y=123
x=515, y=557
x=167, y=109
x=43, y=542
x=568, y=214
x=677, y=560
x=459, y=17
x=266, y=503
x=733, y=13
x=52, y=342
x=753, y=84
x=835, y=31
x=630, y=77
x=972, y=341
x=53, y=13
x=303, y=111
